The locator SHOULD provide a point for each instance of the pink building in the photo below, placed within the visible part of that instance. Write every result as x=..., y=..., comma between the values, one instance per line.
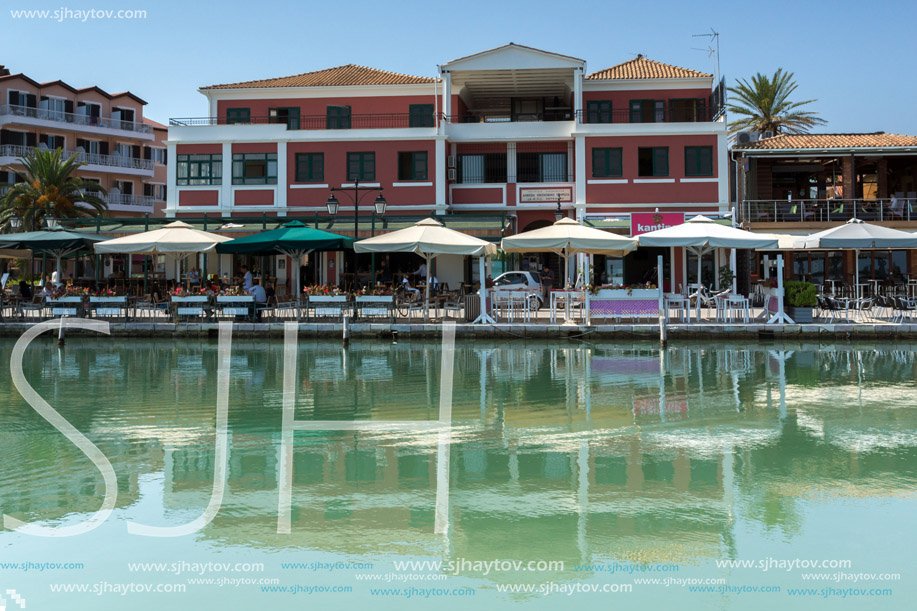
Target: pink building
x=124, y=152
x=512, y=130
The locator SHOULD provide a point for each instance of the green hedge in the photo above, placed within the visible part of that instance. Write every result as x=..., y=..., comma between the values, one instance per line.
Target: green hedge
x=800, y=294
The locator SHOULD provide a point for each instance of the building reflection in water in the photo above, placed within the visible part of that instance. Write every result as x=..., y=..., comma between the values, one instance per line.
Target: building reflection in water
x=575, y=451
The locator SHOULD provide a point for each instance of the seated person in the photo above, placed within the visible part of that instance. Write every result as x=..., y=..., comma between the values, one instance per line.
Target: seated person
x=408, y=288
x=194, y=278
x=25, y=291
x=47, y=291
x=270, y=292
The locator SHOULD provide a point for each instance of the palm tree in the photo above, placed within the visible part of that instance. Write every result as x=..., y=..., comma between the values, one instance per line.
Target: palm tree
x=764, y=105
x=47, y=185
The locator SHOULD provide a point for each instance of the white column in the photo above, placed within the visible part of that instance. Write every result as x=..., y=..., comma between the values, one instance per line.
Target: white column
x=511, y=163
x=171, y=179
x=577, y=90
x=732, y=266
x=722, y=170
x=440, y=175
x=580, y=177
x=226, y=182
x=280, y=199
x=447, y=93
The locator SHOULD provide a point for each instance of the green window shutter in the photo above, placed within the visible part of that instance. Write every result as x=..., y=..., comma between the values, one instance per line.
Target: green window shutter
x=420, y=165
x=635, y=111
x=706, y=161
x=238, y=115
x=615, y=167
x=338, y=117
x=598, y=162
x=660, y=161
x=420, y=115
x=690, y=161
x=659, y=111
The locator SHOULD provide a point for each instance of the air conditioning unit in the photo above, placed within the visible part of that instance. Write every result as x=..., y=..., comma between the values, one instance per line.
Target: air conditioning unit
x=451, y=174
x=450, y=161
x=746, y=137
x=767, y=134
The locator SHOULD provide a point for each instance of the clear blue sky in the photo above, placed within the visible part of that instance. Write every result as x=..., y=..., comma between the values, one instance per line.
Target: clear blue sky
x=855, y=58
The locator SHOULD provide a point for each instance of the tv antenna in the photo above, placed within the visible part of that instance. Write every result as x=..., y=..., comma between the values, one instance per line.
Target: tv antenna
x=712, y=50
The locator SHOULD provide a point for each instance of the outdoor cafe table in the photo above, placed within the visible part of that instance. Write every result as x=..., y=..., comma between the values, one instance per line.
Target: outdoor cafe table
x=677, y=301
x=731, y=303
x=66, y=306
x=191, y=305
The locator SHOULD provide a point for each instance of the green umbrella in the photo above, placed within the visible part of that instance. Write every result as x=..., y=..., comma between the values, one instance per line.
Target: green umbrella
x=293, y=239
x=58, y=244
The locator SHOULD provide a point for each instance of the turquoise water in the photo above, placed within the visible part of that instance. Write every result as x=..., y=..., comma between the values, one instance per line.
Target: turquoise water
x=609, y=464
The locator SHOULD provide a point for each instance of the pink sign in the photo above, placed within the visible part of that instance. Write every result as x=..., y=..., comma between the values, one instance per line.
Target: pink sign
x=644, y=222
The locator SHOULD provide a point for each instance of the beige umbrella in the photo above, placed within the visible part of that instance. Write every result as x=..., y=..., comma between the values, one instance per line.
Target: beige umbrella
x=566, y=237
x=177, y=238
x=430, y=238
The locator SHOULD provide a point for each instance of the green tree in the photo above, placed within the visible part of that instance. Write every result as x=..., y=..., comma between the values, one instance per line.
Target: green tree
x=47, y=184
x=764, y=105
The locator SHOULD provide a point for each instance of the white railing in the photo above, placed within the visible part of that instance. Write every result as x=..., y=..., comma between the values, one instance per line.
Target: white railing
x=133, y=201
x=73, y=118
x=115, y=161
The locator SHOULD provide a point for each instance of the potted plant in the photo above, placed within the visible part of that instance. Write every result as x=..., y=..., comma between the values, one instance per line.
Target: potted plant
x=799, y=301
x=726, y=277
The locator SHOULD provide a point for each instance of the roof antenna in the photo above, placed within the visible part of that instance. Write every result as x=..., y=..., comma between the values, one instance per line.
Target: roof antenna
x=713, y=49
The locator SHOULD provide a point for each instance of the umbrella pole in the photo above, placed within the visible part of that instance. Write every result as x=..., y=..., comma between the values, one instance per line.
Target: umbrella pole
x=426, y=306
x=700, y=256
x=60, y=276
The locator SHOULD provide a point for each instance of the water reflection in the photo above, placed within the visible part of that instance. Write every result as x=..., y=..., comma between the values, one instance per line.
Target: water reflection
x=570, y=451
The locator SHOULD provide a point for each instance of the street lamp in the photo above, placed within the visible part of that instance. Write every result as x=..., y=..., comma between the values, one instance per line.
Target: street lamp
x=15, y=222
x=558, y=214
x=51, y=222
x=334, y=205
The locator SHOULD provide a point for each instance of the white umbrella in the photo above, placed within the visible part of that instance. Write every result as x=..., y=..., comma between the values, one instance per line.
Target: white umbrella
x=702, y=234
x=428, y=238
x=856, y=234
x=177, y=238
x=566, y=237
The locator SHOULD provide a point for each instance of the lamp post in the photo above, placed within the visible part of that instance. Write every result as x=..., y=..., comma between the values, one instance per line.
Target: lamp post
x=334, y=205
x=51, y=222
x=15, y=222
x=558, y=214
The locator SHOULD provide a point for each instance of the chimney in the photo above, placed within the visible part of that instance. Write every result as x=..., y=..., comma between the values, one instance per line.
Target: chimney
x=4, y=71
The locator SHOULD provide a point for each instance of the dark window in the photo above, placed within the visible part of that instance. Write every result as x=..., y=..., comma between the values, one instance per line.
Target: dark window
x=290, y=116
x=688, y=110
x=647, y=111
x=420, y=115
x=698, y=161
x=482, y=168
x=412, y=166
x=598, y=111
x=199, y=169
x=310, y=167
x=238, y=115
x=338, y=117
x=606, y=163
x=653, y=161
x=541, y=167
x=254, y=168
x=361, y=166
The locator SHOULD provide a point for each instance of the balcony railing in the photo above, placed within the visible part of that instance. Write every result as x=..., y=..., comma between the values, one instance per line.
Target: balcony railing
x=73, y=118
x=130, y=201
x=624, y=115
x=828, y=210
x=114, y=161
x=553, y=115
x=317, y=122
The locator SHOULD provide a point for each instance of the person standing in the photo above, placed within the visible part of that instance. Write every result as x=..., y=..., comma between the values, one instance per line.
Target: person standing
x=547, y=283
x=246, y=278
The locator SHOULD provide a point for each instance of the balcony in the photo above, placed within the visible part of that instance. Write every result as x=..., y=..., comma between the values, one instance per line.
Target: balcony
x=317, y=122
x=74, y=121
x=115, y=163
x=121, y=202
x=829, y=211
x=624, y=115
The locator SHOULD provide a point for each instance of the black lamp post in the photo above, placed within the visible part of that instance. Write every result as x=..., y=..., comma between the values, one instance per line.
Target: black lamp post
x=558, y=214
x=51, y=222
x=334, y=205
x=15, y=222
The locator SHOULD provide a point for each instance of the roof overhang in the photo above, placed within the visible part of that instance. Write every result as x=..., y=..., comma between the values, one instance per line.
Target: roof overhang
x=821, y=152
x=513, y=57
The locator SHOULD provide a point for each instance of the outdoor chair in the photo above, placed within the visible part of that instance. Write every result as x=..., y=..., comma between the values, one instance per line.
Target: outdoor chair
x=34, y=308
x=905, y=309
x=453, y=304
x=864, y=307
x=285, y=307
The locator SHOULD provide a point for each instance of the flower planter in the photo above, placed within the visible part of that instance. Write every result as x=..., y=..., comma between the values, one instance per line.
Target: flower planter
x=109, y=305
x=235, y=305
x=66, y=306
x=800, y=315
x=191, y=305
x=623, y=303
x=375, y=305
x=328, y=305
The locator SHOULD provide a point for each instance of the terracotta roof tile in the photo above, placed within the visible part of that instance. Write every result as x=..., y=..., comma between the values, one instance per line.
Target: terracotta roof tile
x=830, y=141
x=350, y=74
x=642, y=68
x=155, y=124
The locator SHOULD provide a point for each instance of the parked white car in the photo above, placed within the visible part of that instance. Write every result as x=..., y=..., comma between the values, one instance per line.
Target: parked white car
x=521, y=281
